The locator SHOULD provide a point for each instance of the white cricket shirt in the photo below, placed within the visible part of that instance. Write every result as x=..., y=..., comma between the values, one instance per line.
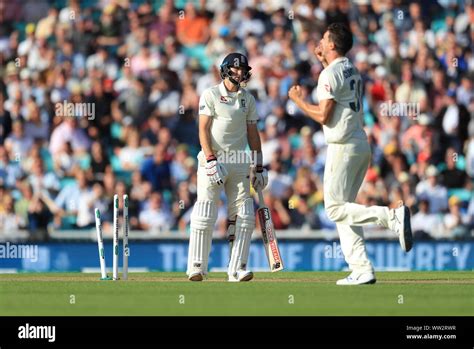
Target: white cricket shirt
x=230, y=112
x=342, y=82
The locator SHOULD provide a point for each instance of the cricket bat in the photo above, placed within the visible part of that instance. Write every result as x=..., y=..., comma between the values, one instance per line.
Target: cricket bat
x=270, y=242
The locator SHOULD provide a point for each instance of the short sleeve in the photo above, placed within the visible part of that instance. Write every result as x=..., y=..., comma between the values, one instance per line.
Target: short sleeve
x=252, y=113
x=326, y=87
x=206, y=104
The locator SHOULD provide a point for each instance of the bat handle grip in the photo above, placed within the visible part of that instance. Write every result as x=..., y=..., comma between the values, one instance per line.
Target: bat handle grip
x=261, y=201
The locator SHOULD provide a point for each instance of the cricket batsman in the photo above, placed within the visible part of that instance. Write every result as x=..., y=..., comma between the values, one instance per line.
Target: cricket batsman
x=339, y=93
x=227, y=124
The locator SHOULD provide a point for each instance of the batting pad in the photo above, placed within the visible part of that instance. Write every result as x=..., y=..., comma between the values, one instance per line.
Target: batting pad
x=244, y=226
x=203, y=219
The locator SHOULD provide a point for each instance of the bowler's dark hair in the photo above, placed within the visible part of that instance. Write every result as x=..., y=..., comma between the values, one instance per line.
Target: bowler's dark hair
x=341, y=36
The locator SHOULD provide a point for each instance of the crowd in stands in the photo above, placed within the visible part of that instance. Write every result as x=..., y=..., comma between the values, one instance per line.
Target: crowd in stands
x=140, y=67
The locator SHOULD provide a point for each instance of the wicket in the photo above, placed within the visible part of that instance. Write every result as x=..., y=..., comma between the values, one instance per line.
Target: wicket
x=100, y=242
x=116, y=238
x=126, y=248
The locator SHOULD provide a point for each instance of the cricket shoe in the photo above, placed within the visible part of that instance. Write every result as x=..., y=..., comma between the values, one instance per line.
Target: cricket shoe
x=241, y=276
x=357, y=279
x=400, y=224
x=198, y=276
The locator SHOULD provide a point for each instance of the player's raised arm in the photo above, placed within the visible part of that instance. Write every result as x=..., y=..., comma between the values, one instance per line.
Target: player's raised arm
x=320, y=113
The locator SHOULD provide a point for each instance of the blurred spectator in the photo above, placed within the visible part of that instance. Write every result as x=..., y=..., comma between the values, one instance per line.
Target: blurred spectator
x=134, y=101
x=454, y=120
x=43, y=183
x=65, y=161
x=438, y=90
x=178, y=166
x=27, y=44
x=250, y=24
x=144, y=62
x=279, y=183
x=39, y=215
x=69, y=199
x=68, y=131
x=416, y=136
x=87, y=201
x=455, y=222
x=22, y=204
x=425, y=224
x=452, y=177
x=41, y=56
x=99, y=162
x=156, y=169
x=150, y=133
x=9, y=220
x=465, y=92
x=176, y=60
x=45, y=27
x=9, y=170
x=140, y=191
x=5, y=120
x=18, y=143
x=156, y=217
x=183, y=204
x=435, y=193
x=410, y=90
x=164, y=25
x=109, y=26
x=166, y=100
x=470, y=154
x=101, y=61
x=191, y=27
x=406, y=189
x=131, y=156
x=36, y=127
x=304, y=201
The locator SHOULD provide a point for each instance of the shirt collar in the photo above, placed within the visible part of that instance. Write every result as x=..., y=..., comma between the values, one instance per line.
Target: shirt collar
x=223, y=91
x=337, y=60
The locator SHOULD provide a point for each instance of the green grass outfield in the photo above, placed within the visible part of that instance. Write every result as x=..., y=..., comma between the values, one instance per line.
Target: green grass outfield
x=284, y=293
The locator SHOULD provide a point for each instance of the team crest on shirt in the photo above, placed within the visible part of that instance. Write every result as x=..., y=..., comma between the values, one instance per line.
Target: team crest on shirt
x=223, y=100
x=242, y=104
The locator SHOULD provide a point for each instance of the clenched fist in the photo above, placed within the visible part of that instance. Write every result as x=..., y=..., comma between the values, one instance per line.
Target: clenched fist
x=295, y=93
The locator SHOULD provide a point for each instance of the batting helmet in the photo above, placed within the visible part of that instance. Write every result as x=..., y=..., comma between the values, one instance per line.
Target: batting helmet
x=236, y=60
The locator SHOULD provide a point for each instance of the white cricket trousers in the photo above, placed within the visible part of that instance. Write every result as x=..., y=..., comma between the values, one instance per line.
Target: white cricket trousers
x=204, y=215
x=346, y=166
x=236, y=187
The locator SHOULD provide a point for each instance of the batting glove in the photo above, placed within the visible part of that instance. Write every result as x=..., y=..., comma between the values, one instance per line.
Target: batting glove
x=216, y=173
x=259, y=178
